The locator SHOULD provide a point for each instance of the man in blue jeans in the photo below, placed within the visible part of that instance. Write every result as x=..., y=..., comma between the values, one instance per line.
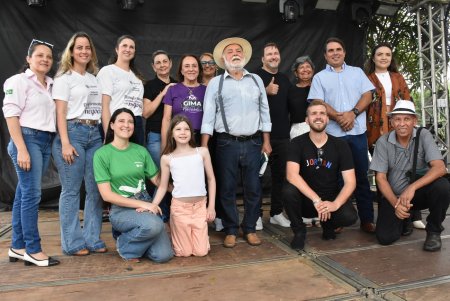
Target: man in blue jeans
x=236, y=107
x=347, y=92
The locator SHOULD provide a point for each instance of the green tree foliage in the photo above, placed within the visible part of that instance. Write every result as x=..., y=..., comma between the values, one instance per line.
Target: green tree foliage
x=401, y=32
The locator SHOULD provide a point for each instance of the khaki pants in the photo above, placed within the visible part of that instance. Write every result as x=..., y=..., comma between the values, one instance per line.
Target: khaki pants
x=189, y=229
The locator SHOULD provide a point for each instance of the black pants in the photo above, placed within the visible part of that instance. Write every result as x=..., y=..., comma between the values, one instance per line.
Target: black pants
x=435, y=197
x=298, y=206
x=277, y=161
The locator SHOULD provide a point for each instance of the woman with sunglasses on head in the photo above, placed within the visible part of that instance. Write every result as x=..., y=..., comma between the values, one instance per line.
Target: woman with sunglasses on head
x=209, y=67
x=78, y=111
x=186, y=97
x=122, y=85
x=29, y=111
x=121, y=168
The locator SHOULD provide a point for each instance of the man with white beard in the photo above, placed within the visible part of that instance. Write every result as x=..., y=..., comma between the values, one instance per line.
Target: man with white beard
x=235, y=107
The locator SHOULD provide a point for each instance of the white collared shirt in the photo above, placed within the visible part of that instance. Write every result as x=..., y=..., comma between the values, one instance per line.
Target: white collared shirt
x=26, y=98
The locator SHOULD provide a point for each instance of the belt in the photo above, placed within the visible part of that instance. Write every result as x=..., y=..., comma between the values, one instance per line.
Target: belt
x=239, y=138
x=85, y=121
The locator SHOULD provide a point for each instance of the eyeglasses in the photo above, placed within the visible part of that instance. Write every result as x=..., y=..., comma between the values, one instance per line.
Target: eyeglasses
x=38, y=42
x=210, y=63
x=319, y=157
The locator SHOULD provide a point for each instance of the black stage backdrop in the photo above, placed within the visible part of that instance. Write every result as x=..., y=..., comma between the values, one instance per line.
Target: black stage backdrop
x=177, y=26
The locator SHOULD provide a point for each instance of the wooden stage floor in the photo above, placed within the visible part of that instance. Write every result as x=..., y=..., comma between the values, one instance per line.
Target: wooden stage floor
x=352, y=267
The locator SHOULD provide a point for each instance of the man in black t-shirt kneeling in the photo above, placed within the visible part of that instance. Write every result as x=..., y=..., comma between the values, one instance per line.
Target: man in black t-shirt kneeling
x=314, y=162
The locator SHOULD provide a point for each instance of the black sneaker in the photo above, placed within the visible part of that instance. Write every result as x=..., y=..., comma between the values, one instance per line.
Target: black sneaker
x=407, y=227
x=432, y=242
x=298, y=242
x=328, y=234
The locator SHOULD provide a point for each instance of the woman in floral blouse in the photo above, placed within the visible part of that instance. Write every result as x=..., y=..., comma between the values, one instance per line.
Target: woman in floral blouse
x=390, y=86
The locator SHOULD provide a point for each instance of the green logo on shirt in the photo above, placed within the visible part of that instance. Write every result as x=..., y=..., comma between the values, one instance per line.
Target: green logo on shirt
x=9, y=92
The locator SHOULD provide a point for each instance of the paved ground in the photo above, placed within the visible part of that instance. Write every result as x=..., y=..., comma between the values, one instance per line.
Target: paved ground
x=353, y=267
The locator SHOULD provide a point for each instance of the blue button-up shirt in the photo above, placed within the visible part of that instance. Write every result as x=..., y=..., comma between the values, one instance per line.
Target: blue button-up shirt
x=244, y=112
x=342, y=91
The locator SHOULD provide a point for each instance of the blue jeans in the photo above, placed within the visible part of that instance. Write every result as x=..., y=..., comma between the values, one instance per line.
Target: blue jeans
x=364, y=197
x=143, y=234
x=86, y=140
x=154, y=148
x=25, y=233
x=235, y=157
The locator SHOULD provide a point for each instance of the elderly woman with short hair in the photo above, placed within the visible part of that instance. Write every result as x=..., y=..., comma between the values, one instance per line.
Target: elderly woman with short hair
x=303, y=69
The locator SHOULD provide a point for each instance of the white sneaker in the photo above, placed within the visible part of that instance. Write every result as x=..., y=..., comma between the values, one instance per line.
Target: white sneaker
x=259, y=224
x=418, y=224
x=218, y=223
x=279, y=219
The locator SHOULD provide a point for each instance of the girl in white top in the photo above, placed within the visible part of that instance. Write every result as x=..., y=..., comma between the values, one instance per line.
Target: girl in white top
x=30, y=115
x=189, y=212
x=122, y=85
x=78, y=110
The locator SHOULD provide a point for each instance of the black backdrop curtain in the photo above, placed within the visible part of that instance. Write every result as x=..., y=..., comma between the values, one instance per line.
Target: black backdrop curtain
x=177, y=26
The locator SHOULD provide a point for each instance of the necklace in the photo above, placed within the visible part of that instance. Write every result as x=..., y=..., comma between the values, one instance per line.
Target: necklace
x=382, y=74
x=190, y=89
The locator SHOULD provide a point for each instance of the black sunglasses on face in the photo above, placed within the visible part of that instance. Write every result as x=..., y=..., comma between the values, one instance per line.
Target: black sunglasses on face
x=210, y=63
x=319, y=157
x=38, y=42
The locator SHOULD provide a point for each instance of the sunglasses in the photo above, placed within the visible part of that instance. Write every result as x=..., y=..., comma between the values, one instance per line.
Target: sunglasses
x=210, y=63
x=38, y=42
x=319, y=157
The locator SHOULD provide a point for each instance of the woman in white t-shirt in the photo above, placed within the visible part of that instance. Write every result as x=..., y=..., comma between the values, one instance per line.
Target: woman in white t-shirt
x=78, y=111
x=122, y=85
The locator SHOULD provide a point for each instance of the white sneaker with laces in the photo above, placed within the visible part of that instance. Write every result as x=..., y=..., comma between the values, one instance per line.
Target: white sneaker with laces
x=418, y=225
x=218, y=223
x=259, y=224
x=279, y=219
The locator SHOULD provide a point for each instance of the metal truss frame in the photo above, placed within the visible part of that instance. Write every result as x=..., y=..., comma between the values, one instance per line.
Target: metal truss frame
x=434, y=96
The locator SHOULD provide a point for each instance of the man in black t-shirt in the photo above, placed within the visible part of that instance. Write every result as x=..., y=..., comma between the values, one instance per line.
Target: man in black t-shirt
x=277, y=86
x=315, y=161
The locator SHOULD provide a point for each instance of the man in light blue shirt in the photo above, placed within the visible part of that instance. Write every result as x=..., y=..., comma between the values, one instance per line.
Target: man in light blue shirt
x=242, y=124
x=347, y=92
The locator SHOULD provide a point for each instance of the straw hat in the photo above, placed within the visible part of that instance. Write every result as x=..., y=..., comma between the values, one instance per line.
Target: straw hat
x=218, y=50
x=403, y=107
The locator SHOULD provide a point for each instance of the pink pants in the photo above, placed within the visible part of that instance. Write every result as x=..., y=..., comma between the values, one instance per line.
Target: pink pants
x=188, y=227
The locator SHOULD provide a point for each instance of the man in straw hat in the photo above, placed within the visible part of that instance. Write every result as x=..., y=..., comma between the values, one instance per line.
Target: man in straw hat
x=236, y=108
x=392, y=158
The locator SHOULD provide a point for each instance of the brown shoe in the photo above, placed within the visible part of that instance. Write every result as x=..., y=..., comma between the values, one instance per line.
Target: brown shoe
x=252, y=239
x=230, y=241
x=368, y=227
x=82, y=252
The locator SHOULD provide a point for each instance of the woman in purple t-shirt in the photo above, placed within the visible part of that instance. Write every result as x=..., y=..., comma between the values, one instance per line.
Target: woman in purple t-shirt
x=186, y=97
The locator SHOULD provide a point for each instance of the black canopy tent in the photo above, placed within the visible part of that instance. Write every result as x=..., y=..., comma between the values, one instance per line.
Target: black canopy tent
x=177, y=26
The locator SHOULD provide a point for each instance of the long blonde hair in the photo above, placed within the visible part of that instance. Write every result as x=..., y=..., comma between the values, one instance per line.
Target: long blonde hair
x=66, y=62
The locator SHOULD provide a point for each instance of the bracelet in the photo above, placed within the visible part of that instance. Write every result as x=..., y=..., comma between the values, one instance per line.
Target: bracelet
x=315, y=202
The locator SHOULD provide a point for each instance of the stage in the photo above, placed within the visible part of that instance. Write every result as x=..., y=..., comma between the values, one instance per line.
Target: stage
x=352, y=267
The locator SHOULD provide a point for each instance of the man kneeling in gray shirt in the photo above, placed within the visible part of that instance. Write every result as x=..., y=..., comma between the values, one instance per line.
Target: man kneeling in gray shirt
x=393, y=158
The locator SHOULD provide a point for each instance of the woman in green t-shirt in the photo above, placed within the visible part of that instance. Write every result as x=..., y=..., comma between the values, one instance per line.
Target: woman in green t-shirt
x=121, y=168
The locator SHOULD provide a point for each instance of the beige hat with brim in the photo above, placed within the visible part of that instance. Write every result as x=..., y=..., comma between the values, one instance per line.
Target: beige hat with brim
x=218, y=50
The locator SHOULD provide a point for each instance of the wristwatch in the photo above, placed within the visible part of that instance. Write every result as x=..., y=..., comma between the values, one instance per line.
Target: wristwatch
x=356, y=111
